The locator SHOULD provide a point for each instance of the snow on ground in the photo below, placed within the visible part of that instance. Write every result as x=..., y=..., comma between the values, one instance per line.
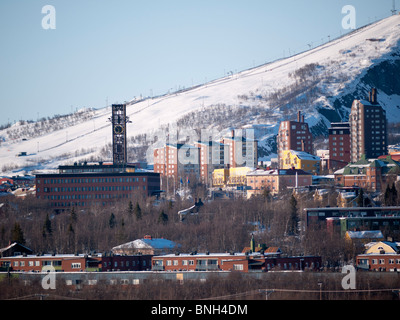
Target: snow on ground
x=350, y=55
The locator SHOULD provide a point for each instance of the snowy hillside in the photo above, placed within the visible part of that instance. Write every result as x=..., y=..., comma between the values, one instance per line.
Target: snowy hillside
x=321, y=82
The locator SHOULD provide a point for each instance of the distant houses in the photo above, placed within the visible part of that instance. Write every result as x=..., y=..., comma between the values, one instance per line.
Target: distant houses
x=275, y=181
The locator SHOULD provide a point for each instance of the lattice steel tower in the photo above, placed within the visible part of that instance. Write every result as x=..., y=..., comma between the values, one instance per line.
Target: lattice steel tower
x=119, y=121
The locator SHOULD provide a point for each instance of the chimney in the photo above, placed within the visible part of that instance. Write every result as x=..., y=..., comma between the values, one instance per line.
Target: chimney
x=232, y=133
x=302, y=118
x=299, y=116
x=373, y=96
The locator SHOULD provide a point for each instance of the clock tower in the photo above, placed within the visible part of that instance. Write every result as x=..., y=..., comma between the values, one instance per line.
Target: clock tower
x=119, y=121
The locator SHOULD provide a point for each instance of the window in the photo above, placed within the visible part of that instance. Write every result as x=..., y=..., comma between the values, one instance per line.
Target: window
x=238, y=267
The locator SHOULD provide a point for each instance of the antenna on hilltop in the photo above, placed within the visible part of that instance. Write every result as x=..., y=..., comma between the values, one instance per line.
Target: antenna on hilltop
x=394, y=11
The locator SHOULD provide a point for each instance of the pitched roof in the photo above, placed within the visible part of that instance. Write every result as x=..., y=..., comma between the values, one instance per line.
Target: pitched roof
x=304, y=155
x=156, y=243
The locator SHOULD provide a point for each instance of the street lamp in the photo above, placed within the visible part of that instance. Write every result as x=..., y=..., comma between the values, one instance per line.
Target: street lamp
x=320, y=290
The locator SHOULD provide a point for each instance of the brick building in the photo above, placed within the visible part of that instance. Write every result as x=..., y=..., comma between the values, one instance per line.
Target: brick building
x=339, y=145
x=370, y=174
x=368, y=128
x=177, y=161
x=276, y=180
x=294, y=135
x=94, y=184
x=380, y=256
x=182, y=161
x=243, y=151
x=76, y=262
x=243, y=262
x=211, y=157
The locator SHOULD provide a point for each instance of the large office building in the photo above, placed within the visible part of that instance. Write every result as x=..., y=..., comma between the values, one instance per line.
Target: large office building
x=368, y=128
x=84, y=184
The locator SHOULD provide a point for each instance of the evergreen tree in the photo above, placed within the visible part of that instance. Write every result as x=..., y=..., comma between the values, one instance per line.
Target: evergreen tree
x=393, y=195
x=130, y=207
x=293, y=219
x=360, y=198
x=47, y=226
x=17, y=235
x=163, y=218
x=73, y=215
x=112, y=221
x=138, y=211
x=387, y=196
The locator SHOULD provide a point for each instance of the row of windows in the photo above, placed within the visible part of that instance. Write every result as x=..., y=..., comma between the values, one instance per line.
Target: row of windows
x=90, y=180
x=86, y=196
x=380, y=261
x=126, y=263
x=85, y=189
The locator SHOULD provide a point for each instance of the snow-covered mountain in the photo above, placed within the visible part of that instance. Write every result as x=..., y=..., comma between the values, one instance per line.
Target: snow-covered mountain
x=321, y=82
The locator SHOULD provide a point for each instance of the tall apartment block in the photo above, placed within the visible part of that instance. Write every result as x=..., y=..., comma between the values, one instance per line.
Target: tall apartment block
x=294, y=135
x=243, y=150
x=180, y=161
x=368, y=128
x=339, y=145
x=177, y=161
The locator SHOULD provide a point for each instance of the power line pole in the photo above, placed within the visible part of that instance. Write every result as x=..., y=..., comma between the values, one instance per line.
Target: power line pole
x=394, y=11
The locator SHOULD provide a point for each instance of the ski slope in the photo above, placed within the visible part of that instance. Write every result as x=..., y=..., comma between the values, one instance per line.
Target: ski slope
x=352, y=55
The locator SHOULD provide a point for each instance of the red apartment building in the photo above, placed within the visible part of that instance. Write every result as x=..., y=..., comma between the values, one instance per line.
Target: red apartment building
x=177, y=161
x=368, y=128
x=242, y=151
x=90, y=184
x=76, y=262
x=242, y=262
x=294, y=135
x=211, y=157
x=339, y=145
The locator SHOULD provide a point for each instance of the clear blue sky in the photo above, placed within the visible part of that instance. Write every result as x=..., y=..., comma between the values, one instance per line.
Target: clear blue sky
x=117, y=50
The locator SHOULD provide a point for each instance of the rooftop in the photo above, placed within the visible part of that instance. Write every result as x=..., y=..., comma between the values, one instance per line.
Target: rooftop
x=305, y=155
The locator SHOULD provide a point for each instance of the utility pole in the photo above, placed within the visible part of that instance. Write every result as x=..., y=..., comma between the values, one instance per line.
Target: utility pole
x=394, y=11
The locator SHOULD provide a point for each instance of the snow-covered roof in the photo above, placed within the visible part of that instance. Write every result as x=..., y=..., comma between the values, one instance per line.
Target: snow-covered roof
x=305, y=155
x=156, y=243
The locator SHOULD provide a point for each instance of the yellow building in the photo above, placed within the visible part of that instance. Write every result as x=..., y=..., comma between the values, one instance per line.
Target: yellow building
x=383, y=247
x=230, y=177
x=301, y=160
